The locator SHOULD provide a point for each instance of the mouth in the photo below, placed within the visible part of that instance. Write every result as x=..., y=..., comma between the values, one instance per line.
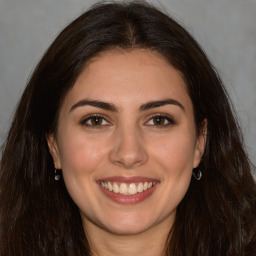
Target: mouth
x=128, y=190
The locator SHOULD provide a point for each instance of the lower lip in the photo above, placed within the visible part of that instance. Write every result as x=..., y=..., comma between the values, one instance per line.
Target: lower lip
x=128, y=199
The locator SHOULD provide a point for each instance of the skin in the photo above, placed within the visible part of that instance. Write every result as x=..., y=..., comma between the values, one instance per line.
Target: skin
x=128, y=142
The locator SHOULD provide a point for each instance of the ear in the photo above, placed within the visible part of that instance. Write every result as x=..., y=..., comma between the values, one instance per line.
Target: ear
x=200, y=144
x=54, y=150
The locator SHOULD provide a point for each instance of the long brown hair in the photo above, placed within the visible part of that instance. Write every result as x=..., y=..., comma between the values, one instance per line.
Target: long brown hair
x=37, y=217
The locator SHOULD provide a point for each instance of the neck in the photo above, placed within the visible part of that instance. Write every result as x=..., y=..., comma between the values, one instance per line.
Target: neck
x=148, y=243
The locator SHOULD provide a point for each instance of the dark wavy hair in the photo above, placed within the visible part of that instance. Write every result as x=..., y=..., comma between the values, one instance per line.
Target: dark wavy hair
x=216, y=217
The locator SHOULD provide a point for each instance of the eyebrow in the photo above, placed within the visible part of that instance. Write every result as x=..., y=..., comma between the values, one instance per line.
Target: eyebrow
x=95, y=103
x=113, y=108
x=155, y=104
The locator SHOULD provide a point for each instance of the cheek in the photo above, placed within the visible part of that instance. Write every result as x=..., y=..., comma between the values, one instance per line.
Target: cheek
x=176, y=159
x=80, y=159
x=175, y=153
x=80, y=156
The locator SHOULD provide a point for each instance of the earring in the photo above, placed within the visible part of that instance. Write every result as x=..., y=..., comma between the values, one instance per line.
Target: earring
x=57, y=173
x=197, y=175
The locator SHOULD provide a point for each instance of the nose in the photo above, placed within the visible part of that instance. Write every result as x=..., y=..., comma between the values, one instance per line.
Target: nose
x=128, y=150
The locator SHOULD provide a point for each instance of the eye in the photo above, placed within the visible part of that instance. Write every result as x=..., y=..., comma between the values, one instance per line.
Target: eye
x=160, y=120
x=95, y=121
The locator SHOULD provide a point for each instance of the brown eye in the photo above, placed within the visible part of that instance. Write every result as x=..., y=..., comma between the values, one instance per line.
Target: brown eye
x=159, y=120
x=96, y=120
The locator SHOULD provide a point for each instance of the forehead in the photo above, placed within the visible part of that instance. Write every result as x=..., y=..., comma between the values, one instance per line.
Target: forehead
x=120, y=77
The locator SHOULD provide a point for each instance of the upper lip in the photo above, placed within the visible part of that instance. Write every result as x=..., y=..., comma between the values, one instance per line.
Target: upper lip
x=124, y=179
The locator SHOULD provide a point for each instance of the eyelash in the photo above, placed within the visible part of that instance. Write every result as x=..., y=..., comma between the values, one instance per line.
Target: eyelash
x=170, y=121
x=84, y=122
x=166, y=118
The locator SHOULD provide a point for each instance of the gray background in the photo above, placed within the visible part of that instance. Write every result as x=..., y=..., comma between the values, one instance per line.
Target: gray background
x=225, y=28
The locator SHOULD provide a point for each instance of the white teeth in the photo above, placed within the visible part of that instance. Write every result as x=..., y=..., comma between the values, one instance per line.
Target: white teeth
x=127, y=189
x=115, y=188
x=140, y=187
x=123, y=189
x=132, y=190
x=110, y=187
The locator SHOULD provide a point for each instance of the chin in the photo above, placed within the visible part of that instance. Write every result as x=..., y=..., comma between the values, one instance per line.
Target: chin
x=126, y=230
x=131, y=224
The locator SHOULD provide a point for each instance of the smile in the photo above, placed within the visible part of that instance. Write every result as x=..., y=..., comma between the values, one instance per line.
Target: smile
x=127, y=188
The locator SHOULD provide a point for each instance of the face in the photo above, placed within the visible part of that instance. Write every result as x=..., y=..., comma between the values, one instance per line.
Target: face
x=126, y=142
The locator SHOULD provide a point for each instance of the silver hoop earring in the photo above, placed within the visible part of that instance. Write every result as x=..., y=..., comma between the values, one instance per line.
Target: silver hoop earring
x=57, y=174
x=197, y=174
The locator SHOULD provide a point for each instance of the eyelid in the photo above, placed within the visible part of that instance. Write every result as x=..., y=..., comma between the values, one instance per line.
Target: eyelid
x=168, y=117
x=90, y=116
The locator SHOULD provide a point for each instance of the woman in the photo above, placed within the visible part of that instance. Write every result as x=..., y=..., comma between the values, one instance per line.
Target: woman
x=124, y=142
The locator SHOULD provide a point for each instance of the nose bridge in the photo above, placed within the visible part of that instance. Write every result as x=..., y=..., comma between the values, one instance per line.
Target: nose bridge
x=128, y=147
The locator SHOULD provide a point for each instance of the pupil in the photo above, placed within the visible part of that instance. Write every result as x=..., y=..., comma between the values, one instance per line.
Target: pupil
x=96, y=120
x=159, y=120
